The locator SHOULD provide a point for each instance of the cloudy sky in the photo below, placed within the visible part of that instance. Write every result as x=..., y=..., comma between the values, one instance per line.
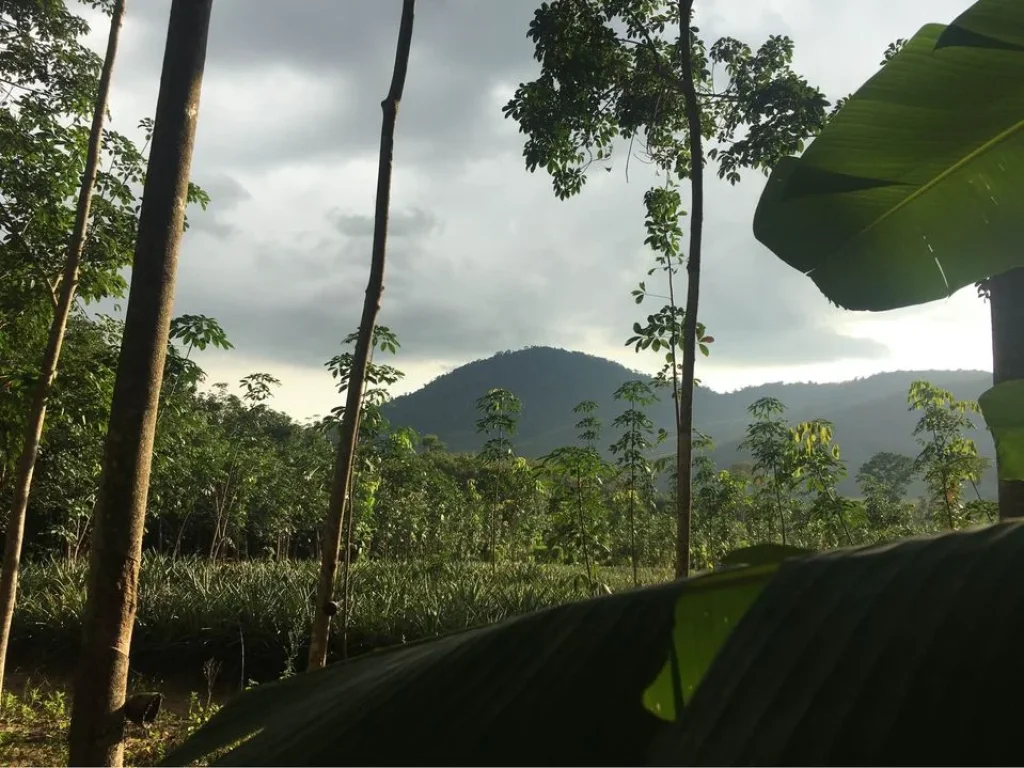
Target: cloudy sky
x=482, y=256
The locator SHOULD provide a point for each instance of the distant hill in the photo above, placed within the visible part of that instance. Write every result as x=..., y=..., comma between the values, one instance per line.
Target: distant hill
x=869, y=414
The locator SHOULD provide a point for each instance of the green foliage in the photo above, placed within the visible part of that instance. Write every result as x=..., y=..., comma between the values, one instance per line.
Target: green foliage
x=631, y=451
x=786, y=685
x=818, y=671
x=498, y=420
x=775, y=466
x=880, y=219
x=948, y=458
x=577, y=474
x=192, y=609
x=379, y=377
x=608, y=72
x=1005, y=419
x=820, y=468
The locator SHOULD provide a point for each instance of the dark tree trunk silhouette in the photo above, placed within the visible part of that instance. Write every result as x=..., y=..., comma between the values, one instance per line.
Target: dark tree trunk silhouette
x=1007, y=298
x=684, y=424
x=51, y=355
x=333, y=527
x=97, y=715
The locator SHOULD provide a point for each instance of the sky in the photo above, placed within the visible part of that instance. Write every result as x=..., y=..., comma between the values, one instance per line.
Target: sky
x=482, y=257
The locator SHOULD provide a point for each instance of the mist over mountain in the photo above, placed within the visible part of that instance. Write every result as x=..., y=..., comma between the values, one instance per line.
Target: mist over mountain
x=869, y=414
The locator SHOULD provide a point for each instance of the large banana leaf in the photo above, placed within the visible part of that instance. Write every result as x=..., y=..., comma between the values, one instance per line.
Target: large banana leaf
x=565, y=686
x=916, y=188
x=908, y=654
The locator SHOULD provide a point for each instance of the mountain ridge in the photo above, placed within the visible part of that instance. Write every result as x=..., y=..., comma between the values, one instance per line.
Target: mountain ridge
x=869, y=414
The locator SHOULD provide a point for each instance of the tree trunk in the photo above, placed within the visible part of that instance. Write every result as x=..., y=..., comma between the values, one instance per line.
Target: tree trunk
x=51, y=355
x=360, y=357
x=684, y=425
x=1007, y=297
x=97, y=715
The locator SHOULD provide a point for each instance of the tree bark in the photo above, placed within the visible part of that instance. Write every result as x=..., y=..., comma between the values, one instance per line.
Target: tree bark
x=1007, y=298
x=361, y=354
x=97, y=715
x=51, y=355
x=684, y=425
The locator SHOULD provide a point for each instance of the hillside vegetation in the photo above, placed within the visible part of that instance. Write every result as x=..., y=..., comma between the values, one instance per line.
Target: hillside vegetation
x=869, y=414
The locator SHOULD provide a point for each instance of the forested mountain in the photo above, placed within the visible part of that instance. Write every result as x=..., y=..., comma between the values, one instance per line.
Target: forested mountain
x=869, y=414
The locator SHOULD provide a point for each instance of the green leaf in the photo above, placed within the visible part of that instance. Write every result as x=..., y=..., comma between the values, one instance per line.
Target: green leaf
x=897, y=654
x=1003, y=409
x=706, y=613
x=880, y=216
x=763, y=554
x=561, y=686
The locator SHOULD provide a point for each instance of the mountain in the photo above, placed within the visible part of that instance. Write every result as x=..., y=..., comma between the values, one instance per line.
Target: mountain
x=869, y=414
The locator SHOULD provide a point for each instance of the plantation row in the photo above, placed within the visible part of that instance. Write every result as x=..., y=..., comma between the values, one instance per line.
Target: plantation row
x=234, y=479
x=252, y=618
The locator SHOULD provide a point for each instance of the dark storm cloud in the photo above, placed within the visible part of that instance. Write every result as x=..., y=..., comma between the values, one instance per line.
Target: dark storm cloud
x=461, y=50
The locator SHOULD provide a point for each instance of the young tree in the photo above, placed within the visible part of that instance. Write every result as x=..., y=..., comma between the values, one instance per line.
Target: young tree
x=499, y=410
x=65, y=296
x=770, y=445
x=885, y=479
x=819, y=466
x=608, y=71
x=719, y=507
x=349, y=434
x=370, y=424
x=948, y=458
x=577, y=471
x=632, y=452
x=97, y=717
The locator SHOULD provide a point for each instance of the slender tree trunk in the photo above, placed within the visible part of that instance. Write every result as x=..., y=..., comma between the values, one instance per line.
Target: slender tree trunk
x=1007, y=297
x=51, y=355
x=97, y=715
x=583, y=529
x=778, y=502
x=361, y=354
x=346, y=583
x=684, y=428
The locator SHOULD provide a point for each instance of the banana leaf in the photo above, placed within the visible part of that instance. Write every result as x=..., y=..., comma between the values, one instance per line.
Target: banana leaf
x=1003, y=409
x=563, y=686
x=903, y=654
x=915, y=188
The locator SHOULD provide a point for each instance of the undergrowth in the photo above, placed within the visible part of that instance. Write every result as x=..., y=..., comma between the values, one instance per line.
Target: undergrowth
x=253, y=617
x=34, y=722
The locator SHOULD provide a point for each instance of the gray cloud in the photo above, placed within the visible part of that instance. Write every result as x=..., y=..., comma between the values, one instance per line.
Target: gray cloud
x=226, y=194
x=413, y=222
x=482, y=256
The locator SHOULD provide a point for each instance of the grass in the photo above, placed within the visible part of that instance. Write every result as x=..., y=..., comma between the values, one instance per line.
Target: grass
x=34, y=720
x=204, y=630
x=252, y=618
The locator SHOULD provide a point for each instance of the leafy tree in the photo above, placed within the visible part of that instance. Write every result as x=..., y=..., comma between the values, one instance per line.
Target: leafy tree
x=770, y=444
x=348, y=436
x=578, y=472
x=719, y=508
x=607, y=72
x=907, y=215
x=96, y=735
x=818, y=464
x=885, y=479
x=631, y=451
x=370, y=424
x=948, y=458
x=499, y=411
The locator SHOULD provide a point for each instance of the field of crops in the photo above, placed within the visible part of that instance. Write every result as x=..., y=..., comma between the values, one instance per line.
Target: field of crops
x=252, y=618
